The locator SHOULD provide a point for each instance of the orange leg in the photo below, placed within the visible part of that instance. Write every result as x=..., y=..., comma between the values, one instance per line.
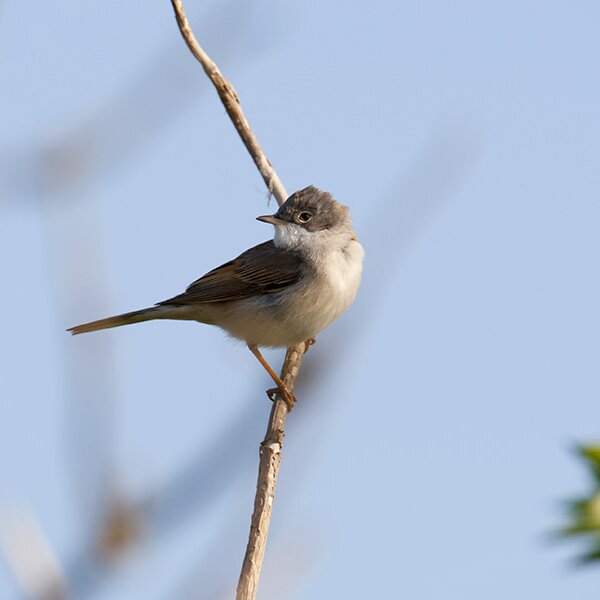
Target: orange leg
x=288, y=396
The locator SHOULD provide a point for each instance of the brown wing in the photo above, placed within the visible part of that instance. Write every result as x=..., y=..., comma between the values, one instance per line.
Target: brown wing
x=263, y=269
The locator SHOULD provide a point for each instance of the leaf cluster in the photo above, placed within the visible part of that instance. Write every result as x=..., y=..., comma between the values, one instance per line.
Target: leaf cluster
x=584, y=512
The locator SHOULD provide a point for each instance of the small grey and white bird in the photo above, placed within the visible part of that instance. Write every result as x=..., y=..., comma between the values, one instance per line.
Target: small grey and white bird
x=279, y=293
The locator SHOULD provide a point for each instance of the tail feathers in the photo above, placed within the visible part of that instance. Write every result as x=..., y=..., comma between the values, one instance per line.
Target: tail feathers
x=125, y=319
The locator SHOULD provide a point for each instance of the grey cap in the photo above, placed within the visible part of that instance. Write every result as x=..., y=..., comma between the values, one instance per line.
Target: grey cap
x=313, y=209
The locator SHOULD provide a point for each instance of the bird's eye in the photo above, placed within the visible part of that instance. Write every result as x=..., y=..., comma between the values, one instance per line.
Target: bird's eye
x=304, y=217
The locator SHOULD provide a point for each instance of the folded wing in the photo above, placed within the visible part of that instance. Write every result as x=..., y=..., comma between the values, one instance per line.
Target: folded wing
x=264, y=269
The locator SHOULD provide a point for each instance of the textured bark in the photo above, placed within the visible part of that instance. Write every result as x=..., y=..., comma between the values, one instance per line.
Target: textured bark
x=270, y=460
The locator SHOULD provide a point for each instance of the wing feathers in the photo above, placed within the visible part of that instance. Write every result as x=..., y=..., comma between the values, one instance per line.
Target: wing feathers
x=264, y=269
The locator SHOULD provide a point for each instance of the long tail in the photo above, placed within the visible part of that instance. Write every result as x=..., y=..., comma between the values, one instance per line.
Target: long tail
x=148, y=314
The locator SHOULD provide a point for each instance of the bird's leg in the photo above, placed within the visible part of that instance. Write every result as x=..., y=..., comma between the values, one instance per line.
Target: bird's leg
x=289, y=398
x=308, y=343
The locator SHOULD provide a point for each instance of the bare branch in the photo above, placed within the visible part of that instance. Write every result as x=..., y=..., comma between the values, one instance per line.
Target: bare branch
x=231, y=101
x=270, y=450
x=270, y=459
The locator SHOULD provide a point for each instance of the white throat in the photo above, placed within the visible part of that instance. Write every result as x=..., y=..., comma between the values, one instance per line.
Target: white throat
x=291, y=236
x=312, y=243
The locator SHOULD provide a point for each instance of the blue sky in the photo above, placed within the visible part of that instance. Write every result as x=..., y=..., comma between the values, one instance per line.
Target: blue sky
x=430, y=449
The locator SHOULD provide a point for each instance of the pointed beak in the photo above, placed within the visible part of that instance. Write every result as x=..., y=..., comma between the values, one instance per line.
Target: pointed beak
x=273, y=220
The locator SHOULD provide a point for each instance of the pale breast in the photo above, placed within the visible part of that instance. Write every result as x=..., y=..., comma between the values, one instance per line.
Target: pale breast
x=333, y=288
x=344, y=270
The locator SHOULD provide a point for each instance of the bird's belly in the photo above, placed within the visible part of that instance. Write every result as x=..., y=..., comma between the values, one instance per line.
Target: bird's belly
x=332, y=295
x=287, y=318
x=271, y=321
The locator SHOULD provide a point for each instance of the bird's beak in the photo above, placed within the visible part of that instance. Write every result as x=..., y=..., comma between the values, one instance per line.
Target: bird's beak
x=270, y=219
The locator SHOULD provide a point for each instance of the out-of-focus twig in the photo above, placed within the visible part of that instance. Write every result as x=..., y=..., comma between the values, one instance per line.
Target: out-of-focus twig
x=57, y=173
x=270, y=451
x=99, y=143
x=30, y=556
x=393, y=226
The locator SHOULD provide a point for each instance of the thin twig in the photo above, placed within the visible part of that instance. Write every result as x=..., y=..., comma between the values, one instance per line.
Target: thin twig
x=270, y=449
x=270, y=459
x=231, y=101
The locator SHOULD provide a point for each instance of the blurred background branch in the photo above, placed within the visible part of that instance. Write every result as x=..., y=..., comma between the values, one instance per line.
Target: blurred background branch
x=31, y=557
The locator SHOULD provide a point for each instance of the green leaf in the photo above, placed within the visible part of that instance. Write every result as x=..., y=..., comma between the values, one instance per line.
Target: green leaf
x=591, y=556
x=592, y=455
x=584, y=512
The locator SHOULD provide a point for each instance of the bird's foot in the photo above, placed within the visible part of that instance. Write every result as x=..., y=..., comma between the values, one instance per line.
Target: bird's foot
x=289, y=397
x=308, y=343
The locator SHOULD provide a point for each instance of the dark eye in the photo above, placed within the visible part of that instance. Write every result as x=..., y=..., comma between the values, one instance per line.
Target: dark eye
x=304, y=217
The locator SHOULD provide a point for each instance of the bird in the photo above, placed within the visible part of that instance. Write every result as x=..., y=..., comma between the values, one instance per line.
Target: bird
x=276, y=294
